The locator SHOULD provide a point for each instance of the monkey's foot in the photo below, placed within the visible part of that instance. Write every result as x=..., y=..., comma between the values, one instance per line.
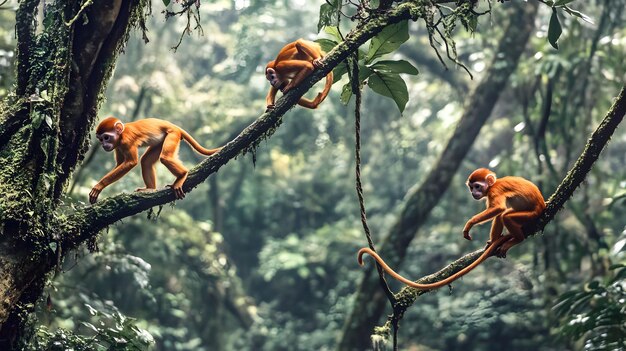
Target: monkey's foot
x=317, y=63
x=178, y=191
x=500, y=253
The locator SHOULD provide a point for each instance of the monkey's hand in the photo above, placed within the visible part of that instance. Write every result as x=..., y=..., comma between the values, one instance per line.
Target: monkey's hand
x=317, y=62
x=286, y=88
x=93, y=194
x=178, y=191
x=269, y=108
x=466, y=233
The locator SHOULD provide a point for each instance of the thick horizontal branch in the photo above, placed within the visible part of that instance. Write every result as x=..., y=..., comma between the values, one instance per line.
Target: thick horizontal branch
x=598, y=140
x=86, y=222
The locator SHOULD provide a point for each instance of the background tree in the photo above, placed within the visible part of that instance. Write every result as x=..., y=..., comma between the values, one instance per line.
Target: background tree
x=288, y=222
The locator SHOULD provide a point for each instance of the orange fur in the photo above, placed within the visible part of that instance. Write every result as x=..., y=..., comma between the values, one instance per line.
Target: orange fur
x=162, y=140
x=294, y=62
x=511, y=202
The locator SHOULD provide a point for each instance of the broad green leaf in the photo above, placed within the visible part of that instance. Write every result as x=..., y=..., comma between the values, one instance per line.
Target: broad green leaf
x=388, y=40
x=578, y=14
x=334, y=32
x=326, y=44
x=166, y=2
x=329, y=15
x=364, y=73
x=554, y=30
x=390, y=85
x=339, y=71
x=400, y=66
x=346, y=91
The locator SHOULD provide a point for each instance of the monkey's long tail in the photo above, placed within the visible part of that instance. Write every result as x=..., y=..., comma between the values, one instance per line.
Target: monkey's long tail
x=450, y=279
x=318, y=100
x=328, y=85
x=194, y=144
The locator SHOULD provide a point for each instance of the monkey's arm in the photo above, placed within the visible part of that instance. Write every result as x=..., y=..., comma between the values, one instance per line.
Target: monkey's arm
x=271, y=97
x=480, y=218
x=301, y=69
x=125, y=162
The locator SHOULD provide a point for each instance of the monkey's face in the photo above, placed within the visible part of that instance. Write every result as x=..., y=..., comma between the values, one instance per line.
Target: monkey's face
x=108, y=140
x=272, y=76
x=478, y=189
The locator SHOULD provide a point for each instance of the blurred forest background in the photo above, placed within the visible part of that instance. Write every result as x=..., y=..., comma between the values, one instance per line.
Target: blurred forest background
x=262, y=256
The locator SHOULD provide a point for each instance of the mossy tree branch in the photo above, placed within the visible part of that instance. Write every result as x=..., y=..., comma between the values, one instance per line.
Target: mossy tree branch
x=596, y=143
x=86, y=222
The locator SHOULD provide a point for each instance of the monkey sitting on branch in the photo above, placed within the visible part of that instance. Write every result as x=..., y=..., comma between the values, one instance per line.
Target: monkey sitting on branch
x=511, y=202
x=295, y=61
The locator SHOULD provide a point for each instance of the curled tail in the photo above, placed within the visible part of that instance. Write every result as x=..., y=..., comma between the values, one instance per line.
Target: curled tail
x=194, y=144
x=440, y=283
x=304, y=102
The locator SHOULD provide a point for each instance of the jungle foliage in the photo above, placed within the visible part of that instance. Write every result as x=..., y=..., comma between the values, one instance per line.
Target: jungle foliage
x=261, y=255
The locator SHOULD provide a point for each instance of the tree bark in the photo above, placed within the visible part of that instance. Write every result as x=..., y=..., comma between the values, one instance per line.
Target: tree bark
x=61, y=77
x=62, y=73
x=370, y=301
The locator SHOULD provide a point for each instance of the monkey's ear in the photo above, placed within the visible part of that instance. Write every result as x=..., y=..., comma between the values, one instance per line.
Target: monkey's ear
x=491, y=179
x=119, y=127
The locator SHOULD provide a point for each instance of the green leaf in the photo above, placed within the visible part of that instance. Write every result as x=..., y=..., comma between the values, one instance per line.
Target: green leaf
x=339, y=71
x=390, y=85
x=48, y=121
x=326, y=44
x=473, y=23
x=346, y=94
x=166, y=2
x=578, y=14
x=388, y=40
x=364, y=73
x=329, y=14
x=554, y=30
x=400, y=66
x=334, y=32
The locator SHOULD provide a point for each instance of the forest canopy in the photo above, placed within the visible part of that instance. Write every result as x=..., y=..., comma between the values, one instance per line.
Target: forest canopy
x=255, y=248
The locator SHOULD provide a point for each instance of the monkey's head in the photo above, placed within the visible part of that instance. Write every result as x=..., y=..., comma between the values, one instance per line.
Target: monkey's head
x=273, y=77
x=109, y=132
x=480, y=181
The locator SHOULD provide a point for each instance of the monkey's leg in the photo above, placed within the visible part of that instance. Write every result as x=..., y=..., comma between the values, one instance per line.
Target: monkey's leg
x=305, y=48
x=271, y=97
x=513, y=222
x=496, y=230
x=148, y=170
x=169, y=158
x=303, y=69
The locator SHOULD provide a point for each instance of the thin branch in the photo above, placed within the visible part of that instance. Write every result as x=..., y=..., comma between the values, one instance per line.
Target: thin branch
x=87, y=221
x=598, y=140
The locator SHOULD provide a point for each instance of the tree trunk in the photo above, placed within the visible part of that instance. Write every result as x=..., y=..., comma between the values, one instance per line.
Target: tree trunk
x=370, y=300
x=61, y=77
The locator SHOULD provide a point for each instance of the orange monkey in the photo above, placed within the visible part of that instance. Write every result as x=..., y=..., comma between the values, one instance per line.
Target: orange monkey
x=511, y=202
x=294, y=62
x=162, y=139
